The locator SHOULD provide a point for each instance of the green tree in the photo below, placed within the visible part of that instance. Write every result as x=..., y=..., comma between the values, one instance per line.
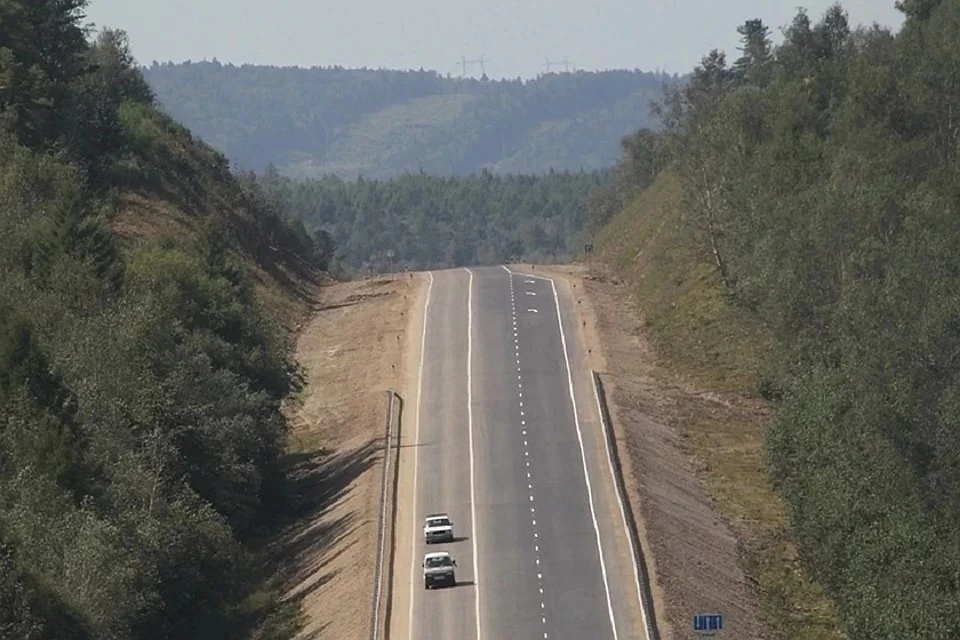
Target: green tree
x=45, y=49
x=140, y=378
x=826, y=196
x=754, y=66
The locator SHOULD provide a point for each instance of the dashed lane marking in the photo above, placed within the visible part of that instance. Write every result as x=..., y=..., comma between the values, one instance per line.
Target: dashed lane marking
x=526, y=447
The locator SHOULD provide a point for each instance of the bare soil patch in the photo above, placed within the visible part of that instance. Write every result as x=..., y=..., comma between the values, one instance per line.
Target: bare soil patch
x=696, y=520
x=353, y=350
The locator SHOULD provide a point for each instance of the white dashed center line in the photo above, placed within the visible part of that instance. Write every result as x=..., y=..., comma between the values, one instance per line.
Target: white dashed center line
x=526, y=448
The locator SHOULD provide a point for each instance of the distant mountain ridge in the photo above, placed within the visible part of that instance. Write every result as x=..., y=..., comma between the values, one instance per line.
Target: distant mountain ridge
x=314, y=121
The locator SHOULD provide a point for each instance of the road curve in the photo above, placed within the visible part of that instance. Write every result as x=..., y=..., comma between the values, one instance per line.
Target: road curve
x=507, y=441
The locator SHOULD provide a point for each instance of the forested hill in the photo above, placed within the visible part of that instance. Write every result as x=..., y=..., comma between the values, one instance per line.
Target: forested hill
x=143, y=361
x=380, y=123
x=813, y=191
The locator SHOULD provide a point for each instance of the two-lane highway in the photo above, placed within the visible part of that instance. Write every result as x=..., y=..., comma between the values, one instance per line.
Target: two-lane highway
x=506, y=440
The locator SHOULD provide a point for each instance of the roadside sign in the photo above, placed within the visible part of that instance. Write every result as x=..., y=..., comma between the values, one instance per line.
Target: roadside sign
x=588, y=248
x=707, y=623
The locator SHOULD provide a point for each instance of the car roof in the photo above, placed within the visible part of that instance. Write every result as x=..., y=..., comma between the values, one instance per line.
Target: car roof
x=437, y=554
x=436, y=515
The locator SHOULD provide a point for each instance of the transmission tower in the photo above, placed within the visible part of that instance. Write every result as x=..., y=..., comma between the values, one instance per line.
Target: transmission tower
x=565, y=62
x=464, y=62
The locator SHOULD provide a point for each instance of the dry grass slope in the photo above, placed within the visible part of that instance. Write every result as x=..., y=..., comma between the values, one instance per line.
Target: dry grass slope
x=172, y=185
x=699, y=375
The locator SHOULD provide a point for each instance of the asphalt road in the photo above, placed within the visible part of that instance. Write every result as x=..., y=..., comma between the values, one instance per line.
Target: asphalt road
x=508, y=443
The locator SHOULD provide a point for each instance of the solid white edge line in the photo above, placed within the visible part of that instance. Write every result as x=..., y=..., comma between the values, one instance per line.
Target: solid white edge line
x=623, y=514
x=583, y=454
x=473, y=486
x=416, y=456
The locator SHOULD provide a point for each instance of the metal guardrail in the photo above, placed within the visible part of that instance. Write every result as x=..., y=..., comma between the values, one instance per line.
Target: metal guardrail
x=640, y=564
x=380, y=612
x=394, y=506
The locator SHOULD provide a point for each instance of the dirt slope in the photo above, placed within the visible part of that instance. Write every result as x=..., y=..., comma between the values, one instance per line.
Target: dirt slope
x=352, y=349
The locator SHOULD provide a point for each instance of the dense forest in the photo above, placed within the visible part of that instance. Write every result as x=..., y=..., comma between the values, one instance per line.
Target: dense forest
x=140, y=376
x=822, y=179
x=418, y=221
x=382, y=123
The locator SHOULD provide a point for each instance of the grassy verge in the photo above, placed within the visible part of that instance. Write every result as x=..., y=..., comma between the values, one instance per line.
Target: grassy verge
x=722, y=351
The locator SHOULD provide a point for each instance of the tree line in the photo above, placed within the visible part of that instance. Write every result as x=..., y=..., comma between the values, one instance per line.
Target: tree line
x=822, y=180
x=418, y=221
x=140, y=380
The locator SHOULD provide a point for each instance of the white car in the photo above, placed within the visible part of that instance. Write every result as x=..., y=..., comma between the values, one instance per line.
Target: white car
x=438, y=527
x=439, y=568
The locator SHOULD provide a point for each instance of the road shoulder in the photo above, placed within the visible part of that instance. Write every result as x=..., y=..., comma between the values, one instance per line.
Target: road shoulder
x=352, y=349
x=403, y=526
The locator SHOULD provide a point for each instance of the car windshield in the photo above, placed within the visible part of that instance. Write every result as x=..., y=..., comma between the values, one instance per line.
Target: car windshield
x=438, y=522
x=443, y=561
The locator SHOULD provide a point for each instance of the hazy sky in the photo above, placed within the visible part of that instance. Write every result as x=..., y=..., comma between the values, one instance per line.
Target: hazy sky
x=515, y=36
